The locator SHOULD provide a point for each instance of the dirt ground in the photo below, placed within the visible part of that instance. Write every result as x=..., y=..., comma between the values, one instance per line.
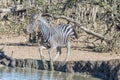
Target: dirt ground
x=24, y=52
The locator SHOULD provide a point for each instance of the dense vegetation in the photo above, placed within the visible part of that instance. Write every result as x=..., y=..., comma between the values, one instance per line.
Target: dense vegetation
x=99, y=16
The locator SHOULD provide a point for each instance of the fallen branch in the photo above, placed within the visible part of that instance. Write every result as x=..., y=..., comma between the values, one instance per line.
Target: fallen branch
x=80, y=26
x=13, y=10
x=5, y=10
x=10, y=10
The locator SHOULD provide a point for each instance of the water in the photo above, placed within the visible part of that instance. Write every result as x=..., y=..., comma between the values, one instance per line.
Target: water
x=32, y=74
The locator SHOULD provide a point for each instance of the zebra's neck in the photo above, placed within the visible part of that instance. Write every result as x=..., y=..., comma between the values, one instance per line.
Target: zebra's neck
x=45, y=32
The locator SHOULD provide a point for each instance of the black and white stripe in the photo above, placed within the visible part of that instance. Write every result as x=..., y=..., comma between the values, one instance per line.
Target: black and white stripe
x=53, y=37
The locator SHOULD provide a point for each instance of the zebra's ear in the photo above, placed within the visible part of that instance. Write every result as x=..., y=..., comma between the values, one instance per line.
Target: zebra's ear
x=40, y=15
x=37, y=18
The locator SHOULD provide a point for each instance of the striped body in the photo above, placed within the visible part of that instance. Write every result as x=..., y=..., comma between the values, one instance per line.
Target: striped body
x=52, y=37
x=58, y=36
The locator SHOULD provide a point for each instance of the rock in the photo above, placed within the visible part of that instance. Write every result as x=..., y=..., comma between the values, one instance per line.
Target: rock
x=2, y=65
x=2, y=55
x=4, y=61
x=60, y=66
x=115, y=72
x=12, y=63
x=69, y=67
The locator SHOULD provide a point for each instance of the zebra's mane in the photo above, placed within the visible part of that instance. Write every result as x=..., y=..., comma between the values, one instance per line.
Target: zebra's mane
x=41, y=19
x=44, y=21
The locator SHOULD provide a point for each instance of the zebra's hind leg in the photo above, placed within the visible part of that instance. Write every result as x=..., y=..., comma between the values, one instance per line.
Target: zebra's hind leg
x=51, y=60
x=58, y=53
x=68, y=51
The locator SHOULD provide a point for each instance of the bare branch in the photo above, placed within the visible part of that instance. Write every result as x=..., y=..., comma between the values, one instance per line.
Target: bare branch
x=10, y=10
x=80, y=26
x=5, y=10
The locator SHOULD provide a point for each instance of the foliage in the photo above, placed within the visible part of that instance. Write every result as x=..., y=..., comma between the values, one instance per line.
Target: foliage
x=100, y=16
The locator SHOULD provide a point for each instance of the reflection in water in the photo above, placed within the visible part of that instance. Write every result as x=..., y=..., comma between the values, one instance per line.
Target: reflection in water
x=32, y=74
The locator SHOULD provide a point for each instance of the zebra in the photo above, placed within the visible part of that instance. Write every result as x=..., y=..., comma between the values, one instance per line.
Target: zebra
x=52, y=37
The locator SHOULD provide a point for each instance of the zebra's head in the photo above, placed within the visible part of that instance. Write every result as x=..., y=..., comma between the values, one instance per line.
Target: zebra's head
x=29, y=29
x=35, y=25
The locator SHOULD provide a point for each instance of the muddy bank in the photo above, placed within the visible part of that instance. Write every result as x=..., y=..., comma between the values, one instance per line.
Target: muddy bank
x=108, y=70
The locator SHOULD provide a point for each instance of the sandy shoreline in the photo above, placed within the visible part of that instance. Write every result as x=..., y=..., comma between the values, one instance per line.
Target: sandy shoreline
x=31, y=52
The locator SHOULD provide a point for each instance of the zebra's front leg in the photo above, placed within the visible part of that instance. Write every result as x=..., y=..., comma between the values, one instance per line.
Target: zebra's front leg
x=45, y=66
x=58, y=53
x=41, y=52
x=51, y=60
